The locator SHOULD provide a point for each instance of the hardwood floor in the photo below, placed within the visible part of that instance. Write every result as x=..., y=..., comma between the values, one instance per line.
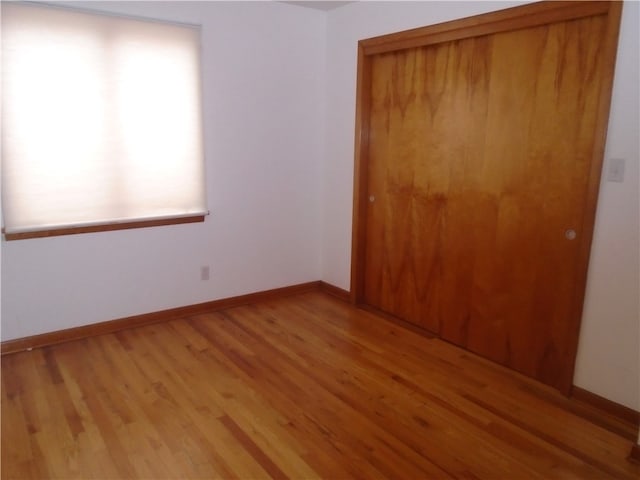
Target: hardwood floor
x=301, y=387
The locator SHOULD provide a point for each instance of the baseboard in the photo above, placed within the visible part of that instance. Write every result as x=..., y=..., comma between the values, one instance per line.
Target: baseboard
x=634, y=454
x=616, y=418
x=609, y=407
x=335, y=291
x=77, y=333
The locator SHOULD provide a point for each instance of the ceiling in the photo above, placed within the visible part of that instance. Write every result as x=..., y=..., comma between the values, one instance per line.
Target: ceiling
x=320, y=5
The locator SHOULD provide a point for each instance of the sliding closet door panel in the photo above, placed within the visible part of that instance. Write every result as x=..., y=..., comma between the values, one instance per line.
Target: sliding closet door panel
x=426, y=106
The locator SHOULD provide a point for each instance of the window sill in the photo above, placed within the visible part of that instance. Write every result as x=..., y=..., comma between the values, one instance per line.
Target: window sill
x=103, y=228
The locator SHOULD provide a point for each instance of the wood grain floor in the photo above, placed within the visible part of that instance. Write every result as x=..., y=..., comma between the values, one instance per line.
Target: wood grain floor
x=301, y=387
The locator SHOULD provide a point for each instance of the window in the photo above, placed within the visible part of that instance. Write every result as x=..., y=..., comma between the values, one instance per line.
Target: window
x=101, y=122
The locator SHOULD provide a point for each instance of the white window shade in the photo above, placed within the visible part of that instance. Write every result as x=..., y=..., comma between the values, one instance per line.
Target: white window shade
x=101, y=119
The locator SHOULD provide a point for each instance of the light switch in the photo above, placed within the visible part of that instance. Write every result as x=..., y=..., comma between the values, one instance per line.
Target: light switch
x=615, y=171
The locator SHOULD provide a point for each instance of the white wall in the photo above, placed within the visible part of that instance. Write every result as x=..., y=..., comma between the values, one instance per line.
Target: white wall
x=608, y=356
x=263, y=96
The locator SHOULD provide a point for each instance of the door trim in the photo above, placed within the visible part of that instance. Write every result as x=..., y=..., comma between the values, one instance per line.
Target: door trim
x=526, y=16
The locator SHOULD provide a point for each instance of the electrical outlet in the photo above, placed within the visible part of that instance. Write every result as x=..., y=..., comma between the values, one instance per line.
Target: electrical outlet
x=204, y=272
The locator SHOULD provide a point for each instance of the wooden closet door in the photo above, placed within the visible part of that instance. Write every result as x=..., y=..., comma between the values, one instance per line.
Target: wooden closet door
x=479, y=161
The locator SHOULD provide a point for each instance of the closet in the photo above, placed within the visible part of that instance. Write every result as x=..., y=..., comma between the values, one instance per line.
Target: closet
x=479, y=145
